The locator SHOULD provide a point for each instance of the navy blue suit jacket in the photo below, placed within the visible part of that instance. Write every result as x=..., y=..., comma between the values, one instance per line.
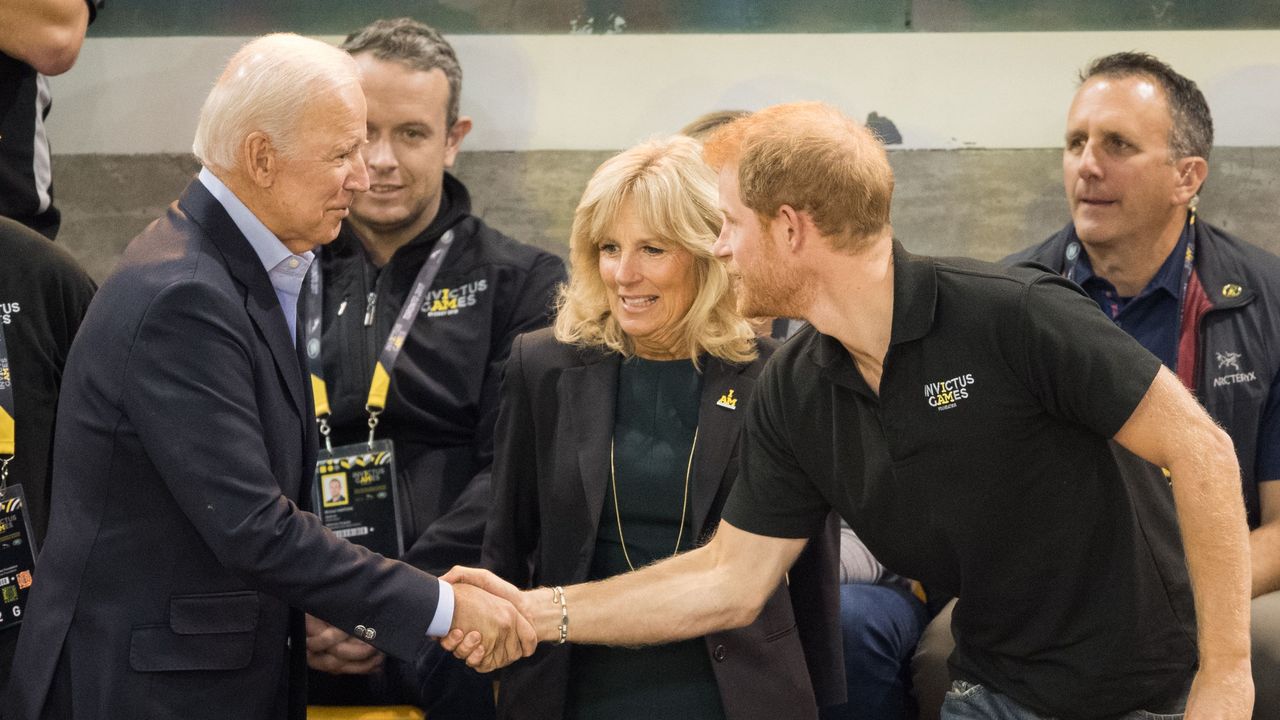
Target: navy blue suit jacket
x=179, y=554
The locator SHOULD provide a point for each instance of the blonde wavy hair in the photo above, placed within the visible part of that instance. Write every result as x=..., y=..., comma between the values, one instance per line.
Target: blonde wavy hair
x=673, y=192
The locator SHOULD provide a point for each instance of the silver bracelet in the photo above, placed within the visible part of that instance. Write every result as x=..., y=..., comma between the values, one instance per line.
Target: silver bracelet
x=557, y=597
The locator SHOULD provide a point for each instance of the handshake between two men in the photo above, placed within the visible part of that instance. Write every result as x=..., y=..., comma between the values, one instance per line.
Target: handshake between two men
x=487, y=631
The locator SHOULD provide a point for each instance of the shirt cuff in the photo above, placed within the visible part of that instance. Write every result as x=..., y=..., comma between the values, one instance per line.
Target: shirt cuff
x=443, y=619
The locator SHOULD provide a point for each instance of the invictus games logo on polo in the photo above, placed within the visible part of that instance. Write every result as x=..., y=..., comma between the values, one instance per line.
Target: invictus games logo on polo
x=946, y=394
x=451, y=301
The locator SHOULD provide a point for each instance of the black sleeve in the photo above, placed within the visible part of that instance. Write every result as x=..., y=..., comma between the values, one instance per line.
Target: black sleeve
x=198, y=421
x=455, y=536
x=815, y=597
x=773, y=495
x=1079, y=364
x=513, y=529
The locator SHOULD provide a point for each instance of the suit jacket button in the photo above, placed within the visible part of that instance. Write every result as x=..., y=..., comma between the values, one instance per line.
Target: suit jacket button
x=370, y=634
x=718, y=653
x=359, y=631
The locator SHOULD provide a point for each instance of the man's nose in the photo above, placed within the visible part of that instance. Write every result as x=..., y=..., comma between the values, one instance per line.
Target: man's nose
x=720, y=248
x=1090, y=163
x=379, y=155
x=358, y=178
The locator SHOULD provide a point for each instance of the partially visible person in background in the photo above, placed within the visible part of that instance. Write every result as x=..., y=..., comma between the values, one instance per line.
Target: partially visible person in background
x=618, y=443
x=43, y=297
x=38, y=38
x=701, y=127
x=881, y=617
x=440, y=394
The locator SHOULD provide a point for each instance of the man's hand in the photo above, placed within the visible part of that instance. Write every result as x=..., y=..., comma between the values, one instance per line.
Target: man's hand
x=1221, y=693
x=333, y=651
x=496, y=633
x=469, y=646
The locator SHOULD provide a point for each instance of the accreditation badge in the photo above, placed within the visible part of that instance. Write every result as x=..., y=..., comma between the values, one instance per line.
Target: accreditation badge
x=356, y=497
x=17, y=555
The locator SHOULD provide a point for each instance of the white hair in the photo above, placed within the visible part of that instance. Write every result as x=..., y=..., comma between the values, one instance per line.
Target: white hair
x=265, y=88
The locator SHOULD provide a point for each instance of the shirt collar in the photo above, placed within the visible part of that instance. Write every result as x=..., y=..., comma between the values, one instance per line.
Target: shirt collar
x=1168, y=277
x=915, y=292
x=285, y=269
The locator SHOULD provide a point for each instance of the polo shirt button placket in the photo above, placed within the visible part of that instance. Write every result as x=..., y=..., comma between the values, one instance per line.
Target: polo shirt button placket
x=718, y=653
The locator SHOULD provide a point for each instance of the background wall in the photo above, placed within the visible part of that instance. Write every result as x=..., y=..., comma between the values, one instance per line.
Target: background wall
x=975, y=99
x=983, y=203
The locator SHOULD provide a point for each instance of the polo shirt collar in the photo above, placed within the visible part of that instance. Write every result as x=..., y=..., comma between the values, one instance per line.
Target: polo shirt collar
x=915, y=295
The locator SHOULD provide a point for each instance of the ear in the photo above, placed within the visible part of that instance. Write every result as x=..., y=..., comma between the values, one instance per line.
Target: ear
x=1192, y=172
x=453, y=141
x=261, y=160
x=793, y=226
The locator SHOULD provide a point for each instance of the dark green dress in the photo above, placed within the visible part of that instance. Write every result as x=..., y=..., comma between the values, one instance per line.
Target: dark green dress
x=654, y=424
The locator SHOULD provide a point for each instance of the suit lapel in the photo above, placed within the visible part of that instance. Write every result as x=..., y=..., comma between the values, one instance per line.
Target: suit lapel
x=718, y=428
x=260, y=297
x=310, y=433
x=591, y=393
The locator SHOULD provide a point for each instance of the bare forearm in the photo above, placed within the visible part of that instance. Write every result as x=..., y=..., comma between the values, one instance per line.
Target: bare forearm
x=45, y=34
x=674, y=600
x=701, y=591
x=1206, y=489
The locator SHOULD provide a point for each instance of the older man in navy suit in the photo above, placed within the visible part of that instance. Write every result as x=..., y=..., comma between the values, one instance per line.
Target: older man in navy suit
x=179, y=557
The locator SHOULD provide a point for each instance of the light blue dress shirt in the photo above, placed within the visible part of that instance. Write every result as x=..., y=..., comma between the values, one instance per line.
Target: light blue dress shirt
x=287, y=272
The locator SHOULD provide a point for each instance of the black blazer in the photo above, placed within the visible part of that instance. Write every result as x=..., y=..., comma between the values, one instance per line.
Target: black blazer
x=550, y=477
x=177, y=546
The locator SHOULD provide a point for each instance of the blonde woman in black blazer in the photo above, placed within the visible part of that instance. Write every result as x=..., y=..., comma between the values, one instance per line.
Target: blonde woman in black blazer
x=617, y=444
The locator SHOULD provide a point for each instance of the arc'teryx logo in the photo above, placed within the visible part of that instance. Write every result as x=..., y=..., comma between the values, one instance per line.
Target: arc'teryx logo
x=1231, y=361
x=945, y=394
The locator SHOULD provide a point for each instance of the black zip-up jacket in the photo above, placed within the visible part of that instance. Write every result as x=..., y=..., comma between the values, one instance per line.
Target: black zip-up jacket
x=1229, y=342
x=443, y=400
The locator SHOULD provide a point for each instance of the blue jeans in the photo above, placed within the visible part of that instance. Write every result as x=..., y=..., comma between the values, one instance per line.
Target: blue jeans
x=970, y=701
x=880, y=626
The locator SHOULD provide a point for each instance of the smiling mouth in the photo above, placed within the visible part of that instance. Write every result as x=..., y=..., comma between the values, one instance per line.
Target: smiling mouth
x=384, y=188
x=637, y=302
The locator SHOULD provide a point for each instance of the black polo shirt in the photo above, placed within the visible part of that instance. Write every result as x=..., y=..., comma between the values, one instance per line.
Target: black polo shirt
x=984, y=469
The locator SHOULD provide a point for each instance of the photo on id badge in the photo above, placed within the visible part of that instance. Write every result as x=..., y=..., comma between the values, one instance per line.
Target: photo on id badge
x=335, y=493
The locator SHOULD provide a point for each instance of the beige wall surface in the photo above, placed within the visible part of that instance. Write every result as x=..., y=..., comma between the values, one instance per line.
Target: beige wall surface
x=983, y=203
